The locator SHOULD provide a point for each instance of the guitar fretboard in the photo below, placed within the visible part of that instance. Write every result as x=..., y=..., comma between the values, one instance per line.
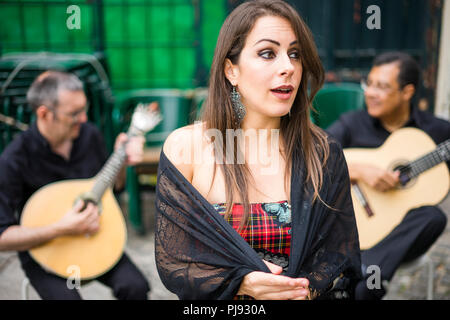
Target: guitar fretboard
x=440, y=154
x=108, y=174
x=110, y=170
x=143, y=120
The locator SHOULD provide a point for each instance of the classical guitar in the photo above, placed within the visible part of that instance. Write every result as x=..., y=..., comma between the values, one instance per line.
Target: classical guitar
x=424, y=180
x=90, y=255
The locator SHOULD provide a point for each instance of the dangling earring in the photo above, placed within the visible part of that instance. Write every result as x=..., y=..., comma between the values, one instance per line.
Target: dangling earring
x=238, y=107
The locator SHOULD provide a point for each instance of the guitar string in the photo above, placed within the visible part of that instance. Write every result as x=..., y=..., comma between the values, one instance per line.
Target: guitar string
x=431, y=159
x=107, y=175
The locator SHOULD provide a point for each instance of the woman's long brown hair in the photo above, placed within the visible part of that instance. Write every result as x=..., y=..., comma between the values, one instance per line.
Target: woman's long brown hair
x=297, y=127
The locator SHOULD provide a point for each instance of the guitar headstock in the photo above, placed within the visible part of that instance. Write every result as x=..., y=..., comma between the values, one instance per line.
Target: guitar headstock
x=145, y=118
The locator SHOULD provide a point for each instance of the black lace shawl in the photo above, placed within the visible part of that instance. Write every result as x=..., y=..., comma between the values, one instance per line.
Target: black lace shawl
x=200, y=256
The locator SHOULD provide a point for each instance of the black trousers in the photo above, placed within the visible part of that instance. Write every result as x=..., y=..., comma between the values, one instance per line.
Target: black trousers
x=417, y=232
x=125, y=280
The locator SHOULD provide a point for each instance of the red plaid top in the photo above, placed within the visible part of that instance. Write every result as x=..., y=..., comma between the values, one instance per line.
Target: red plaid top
x=268, y=228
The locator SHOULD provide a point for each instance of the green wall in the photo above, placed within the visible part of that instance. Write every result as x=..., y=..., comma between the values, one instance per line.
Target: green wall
x=147, y=43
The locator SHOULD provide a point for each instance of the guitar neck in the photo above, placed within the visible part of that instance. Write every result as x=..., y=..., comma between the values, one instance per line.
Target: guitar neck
x=440, y=154
x=110, y=170
x=143, y=120
x=108, y=174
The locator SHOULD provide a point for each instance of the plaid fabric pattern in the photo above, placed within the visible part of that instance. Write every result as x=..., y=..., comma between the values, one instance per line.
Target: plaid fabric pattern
x=268, y=227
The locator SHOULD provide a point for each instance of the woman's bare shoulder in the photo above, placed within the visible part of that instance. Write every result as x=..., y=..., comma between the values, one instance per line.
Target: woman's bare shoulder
x=180, y=145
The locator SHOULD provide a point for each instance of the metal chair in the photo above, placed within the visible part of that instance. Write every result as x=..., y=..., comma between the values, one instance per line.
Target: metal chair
x=25, y=289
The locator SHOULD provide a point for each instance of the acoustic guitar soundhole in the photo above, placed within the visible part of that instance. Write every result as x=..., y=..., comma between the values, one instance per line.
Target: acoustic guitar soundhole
x=406, y=181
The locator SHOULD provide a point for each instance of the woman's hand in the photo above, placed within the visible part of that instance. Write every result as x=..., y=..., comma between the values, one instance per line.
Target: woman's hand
x=273, y=286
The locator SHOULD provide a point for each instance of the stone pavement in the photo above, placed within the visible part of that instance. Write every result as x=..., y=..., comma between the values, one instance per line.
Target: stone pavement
x=405, y=285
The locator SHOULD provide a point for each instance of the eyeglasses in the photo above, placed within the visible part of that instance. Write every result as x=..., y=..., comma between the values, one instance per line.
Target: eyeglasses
x=74, y=115
x=380, y=88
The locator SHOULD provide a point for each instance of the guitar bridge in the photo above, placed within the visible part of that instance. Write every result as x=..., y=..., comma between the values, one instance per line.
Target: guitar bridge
x=362, y=199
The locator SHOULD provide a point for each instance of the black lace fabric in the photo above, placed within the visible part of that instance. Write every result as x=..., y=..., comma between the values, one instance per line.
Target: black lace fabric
x=200, y=256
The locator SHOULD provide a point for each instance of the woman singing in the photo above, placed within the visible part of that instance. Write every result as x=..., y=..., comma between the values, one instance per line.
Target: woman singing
x=254, y=200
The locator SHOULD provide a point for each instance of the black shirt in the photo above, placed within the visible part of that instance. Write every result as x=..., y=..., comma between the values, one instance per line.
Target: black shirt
x=28, y=163
x=357, y=129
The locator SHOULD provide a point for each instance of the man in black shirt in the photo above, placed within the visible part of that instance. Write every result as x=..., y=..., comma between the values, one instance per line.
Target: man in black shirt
x=60, y=145
x=391, y=85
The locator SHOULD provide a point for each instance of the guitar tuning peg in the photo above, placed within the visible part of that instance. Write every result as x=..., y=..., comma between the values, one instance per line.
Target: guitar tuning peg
x=153, y=106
